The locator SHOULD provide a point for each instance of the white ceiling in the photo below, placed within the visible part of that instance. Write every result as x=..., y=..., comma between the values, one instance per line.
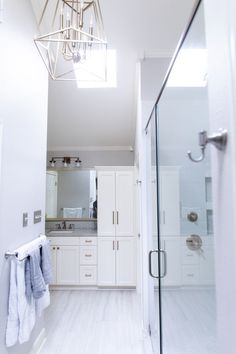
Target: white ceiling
x=105, y=118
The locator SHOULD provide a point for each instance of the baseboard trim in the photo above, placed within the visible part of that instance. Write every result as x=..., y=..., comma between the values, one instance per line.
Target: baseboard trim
x=39, y=342
x=92, y=287
x=147, y=343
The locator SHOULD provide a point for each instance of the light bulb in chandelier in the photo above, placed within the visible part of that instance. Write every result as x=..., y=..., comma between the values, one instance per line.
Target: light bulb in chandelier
x=76, y=36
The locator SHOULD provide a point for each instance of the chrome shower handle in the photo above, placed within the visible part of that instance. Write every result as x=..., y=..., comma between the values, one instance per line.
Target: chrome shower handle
x=218, y=139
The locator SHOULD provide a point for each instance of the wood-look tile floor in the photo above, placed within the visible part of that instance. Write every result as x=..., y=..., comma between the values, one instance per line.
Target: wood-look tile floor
x=94, y=322
x=189, y=321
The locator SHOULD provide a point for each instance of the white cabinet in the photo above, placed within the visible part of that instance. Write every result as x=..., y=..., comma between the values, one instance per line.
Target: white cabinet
x=125, y=261
x=169, y=201
x=65, y=262
x=116, y=261
x=173, y=254
x=198, y=266
x=106, y=261
x=115, y=203
x=67, y=265
x=74, y=260
x=106, y=203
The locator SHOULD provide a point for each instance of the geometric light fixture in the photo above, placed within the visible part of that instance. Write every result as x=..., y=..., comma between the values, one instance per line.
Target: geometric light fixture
x=65, y=161
x=72, y=42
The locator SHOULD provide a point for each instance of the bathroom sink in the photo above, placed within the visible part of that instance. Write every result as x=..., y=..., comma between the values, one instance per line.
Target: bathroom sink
x=61, y=232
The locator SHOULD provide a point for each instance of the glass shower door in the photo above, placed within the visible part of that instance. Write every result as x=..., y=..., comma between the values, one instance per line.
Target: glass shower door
x=154, y=242
x=185, y=206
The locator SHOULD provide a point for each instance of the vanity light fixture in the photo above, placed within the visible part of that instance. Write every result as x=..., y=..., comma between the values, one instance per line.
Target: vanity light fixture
x=72, y=41
x=65, y=161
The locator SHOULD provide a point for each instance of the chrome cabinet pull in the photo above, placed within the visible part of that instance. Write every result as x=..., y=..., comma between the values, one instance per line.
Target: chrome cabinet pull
x=165, y=263
x=118, y=245
x=113, y=245
x=88, y=241
x=88, y=255
x=164, y=217
x=113, y=217
x=117, y=217
x=88, y=275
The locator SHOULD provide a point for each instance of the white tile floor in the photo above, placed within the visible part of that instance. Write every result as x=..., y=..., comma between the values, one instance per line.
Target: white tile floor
x=189, y=321
x=94, y=322
x=109, y=322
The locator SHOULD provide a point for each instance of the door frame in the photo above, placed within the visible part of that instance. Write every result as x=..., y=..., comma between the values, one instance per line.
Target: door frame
x=221, y=39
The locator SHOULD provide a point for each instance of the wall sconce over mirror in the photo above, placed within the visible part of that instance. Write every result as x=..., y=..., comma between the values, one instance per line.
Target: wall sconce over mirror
x=65, y=161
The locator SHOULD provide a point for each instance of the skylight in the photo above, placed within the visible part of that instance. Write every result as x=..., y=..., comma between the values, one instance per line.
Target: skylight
x=87, y=79
x=190, y=69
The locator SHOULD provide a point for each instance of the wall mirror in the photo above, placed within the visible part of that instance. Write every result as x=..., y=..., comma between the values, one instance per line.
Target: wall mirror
x=71, y=194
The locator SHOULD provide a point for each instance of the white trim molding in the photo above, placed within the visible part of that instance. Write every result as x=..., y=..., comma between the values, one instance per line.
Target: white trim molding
x=39, y=342
x=1, y=11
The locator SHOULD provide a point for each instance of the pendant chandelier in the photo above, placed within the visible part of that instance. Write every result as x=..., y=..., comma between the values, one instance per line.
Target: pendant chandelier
x=72, y=41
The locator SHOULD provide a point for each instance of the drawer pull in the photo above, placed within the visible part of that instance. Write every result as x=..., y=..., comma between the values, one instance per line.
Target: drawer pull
x=190, y=275
x=88, y=255
x=88, y=275
x=88, y=241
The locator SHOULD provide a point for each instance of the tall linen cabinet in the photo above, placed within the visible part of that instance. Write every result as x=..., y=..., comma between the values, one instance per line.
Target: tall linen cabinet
x=116, y=241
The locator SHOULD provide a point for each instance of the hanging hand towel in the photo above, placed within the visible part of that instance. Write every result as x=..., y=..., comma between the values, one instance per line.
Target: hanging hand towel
x=37, y=282
x=46, y=264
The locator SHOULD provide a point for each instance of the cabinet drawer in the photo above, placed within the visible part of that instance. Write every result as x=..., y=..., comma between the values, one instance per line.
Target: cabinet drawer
x=88, y=241
x=88, y=275
x=190, y=275
x=64, y=241
x=189, y=257
x=88, y=255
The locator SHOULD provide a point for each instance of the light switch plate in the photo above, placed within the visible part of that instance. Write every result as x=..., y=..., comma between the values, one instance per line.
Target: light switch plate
x=37, y=216
x=25, y=219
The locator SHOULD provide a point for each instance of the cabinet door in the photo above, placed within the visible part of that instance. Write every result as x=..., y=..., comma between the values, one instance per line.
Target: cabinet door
x=170, y=208
x=106, y=261
x=67, y=265
x=173, y=250
x=125, y=261
x=54, y=263
x=206, y=266
x=124, y=203
x=106, y=203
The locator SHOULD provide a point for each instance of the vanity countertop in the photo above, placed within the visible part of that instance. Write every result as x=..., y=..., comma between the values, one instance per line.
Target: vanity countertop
x=72, y=233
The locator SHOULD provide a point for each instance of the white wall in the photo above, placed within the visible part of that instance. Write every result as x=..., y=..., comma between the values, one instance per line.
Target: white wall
x=221, y=40
x=185, y=110
x=23, y=98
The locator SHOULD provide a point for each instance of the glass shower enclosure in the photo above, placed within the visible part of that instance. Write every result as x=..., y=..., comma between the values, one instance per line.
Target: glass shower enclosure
x=181, y=259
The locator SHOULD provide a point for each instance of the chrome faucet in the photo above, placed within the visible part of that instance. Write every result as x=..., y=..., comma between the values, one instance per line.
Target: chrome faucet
x=58, y=226
x=64, y=225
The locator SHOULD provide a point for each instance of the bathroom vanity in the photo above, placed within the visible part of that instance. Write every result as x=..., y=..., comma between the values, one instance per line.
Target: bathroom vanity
x=96, y=252
x=74, y=258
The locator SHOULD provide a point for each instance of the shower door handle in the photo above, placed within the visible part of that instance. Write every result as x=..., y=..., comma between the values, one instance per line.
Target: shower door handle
x=159, y=252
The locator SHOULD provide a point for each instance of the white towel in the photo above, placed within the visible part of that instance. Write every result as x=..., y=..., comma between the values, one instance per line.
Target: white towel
x=13, y=319
x=26, y=307
x=21, y=311
x=72, y=212
x=43, y=302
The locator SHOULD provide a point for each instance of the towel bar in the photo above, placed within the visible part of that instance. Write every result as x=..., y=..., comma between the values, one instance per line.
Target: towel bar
x=9, y=254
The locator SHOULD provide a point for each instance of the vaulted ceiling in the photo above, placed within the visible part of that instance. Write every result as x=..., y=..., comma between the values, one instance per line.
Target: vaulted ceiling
x=101, y=118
